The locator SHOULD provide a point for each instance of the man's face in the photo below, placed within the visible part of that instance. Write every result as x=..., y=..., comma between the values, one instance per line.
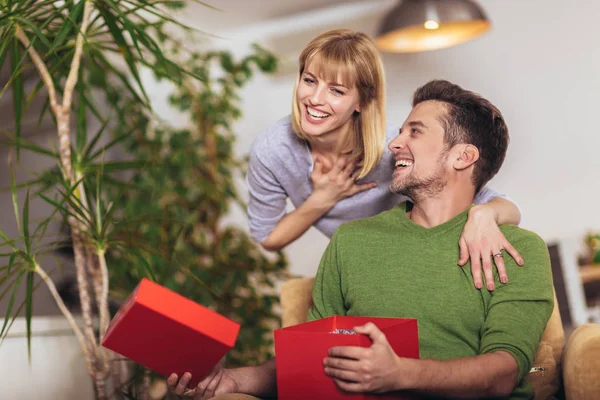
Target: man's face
x=421, y=159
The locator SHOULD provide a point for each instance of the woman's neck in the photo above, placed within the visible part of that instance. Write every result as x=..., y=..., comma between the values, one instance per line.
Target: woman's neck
x=334, y=143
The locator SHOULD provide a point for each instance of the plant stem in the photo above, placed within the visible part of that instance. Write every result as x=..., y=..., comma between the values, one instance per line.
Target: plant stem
x=64, y=310
x=74, y=71
x=42, y=69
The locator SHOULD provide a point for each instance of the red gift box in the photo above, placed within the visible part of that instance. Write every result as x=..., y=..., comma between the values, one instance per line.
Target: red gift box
x=300, y=350
x=166, y=332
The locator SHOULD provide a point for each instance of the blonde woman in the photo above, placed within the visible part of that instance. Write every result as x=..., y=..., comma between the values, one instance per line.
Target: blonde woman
x=330, y=158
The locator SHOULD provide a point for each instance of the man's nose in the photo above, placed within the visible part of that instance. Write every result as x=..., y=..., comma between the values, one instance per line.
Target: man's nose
x=398, y=143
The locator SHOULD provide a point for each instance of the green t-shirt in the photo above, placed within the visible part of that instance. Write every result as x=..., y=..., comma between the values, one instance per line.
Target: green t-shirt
x=388, y=266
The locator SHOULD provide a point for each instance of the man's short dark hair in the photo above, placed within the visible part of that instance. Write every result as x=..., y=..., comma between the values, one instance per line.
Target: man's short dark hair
x=470, y=119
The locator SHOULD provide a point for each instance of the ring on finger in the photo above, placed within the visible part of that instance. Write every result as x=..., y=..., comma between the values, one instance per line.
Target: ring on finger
x=499, y=254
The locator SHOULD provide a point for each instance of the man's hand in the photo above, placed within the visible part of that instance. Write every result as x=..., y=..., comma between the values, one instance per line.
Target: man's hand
x=219, y=381
x=357, y=369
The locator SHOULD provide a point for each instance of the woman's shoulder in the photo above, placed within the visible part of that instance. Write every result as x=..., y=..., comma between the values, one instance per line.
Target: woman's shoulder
x=280, y=134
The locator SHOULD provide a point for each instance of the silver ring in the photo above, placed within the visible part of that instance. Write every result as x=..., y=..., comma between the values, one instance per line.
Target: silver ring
x=499, y=254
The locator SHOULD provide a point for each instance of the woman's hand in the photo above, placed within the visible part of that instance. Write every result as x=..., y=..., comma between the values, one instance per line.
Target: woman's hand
x=331, y=185
x=482, y=240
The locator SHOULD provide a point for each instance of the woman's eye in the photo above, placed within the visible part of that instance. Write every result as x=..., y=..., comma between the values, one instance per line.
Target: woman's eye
x=337, y=92
x=308, y=80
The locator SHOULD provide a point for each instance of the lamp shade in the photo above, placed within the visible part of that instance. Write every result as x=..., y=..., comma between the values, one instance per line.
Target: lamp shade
x=423, y=25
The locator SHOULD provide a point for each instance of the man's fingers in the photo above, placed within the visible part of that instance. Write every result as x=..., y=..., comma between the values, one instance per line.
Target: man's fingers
x=341, y=363
x=514, y=253
x=342, y=374
x=464, y=252
x=183, y=383
x=476, y=270
x=347, y=386
x=172, y=381
x=209, y=391
x=372, y=331
x=352, y=352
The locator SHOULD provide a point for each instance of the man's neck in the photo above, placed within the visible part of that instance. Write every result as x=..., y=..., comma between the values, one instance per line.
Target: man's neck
x=436, y=210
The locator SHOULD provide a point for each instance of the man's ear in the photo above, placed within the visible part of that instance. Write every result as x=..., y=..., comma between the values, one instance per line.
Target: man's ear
x=467, y=156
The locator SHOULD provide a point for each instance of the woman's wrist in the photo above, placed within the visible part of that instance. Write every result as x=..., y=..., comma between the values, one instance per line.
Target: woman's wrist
x=319, y=203
x=483, y=211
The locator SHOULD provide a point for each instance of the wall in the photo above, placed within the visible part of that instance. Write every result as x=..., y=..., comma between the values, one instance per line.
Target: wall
x=539, y=64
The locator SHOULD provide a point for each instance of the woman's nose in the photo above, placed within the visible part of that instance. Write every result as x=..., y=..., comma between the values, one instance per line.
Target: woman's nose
x=317, y=96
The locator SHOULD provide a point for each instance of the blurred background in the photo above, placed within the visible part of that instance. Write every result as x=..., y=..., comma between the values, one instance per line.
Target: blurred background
x=538, y=63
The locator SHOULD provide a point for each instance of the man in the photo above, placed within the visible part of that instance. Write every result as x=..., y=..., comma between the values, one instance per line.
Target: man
x=402, y=263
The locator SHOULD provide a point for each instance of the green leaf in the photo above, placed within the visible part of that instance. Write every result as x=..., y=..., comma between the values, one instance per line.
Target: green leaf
x=95, y=139
x=109, y=145
x=15, y=199
x=117, y=35
x=17, y=91
x=146, y=266
x=26, y=237
x=81, y=138
x=68, y=26
x=27, y=145
x=29, y=310
x=38, y=33
x=15, y=286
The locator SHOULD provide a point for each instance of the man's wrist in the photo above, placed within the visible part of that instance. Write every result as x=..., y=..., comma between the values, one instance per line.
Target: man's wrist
x=407, y=374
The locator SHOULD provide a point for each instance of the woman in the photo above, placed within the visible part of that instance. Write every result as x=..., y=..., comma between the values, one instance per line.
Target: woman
x=331, y=158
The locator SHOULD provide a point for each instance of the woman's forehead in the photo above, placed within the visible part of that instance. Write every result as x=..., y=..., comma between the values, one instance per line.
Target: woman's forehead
x=331, y=70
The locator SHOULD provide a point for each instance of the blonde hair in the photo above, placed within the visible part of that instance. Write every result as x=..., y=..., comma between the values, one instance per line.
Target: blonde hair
x=352, y=55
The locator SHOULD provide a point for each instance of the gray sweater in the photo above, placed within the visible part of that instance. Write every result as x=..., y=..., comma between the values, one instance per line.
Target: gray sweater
x=280, y=167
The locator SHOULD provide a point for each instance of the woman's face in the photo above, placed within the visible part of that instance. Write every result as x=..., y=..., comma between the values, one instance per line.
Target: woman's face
x=326, y=106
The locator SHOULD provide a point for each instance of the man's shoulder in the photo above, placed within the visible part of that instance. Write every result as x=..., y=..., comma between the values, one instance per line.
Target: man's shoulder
x=523, y=238
x=379, y=222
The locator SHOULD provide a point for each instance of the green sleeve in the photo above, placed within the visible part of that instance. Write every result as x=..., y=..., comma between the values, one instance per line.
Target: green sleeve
x=327, y=294
x=518, y=311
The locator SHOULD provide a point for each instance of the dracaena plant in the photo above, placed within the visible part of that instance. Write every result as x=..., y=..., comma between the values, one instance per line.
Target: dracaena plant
x=83, y=58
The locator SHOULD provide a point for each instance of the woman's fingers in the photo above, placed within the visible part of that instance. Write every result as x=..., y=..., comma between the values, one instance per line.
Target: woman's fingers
x=499, y=261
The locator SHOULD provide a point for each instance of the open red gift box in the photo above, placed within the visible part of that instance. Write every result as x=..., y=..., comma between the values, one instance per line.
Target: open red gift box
x=300, y=350
x=167, y=332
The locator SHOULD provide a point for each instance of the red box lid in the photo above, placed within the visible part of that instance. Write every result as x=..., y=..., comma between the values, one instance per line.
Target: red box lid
x=300, y=350
x=167, y=332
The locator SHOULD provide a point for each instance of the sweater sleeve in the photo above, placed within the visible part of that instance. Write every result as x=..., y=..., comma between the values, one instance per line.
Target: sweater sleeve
x=328, y=299
x=486, y=194
x=518, y=311
x=266, y=204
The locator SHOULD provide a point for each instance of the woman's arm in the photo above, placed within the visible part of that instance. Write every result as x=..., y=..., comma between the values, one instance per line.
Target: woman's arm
x=329, y=187
x=482, y=240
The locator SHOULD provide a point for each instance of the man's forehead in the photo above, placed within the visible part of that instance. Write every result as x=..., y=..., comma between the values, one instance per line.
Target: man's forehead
x=429, y=110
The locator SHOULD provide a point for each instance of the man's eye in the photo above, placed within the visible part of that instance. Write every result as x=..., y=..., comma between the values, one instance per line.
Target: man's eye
x=413, y=130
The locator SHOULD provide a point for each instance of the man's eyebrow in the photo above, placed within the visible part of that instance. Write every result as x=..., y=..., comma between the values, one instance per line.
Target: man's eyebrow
x=417, y=123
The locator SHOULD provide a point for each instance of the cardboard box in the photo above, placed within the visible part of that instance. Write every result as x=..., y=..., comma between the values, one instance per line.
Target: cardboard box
x=168, y=333
x=300, y=351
